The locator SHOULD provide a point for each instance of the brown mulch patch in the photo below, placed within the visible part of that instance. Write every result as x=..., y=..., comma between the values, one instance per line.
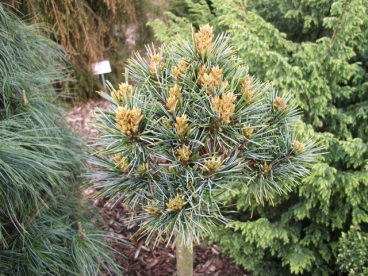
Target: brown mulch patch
x=141, y=259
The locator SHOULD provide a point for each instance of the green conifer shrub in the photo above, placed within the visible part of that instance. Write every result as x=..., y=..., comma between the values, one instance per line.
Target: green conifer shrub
x=191, y=125
x=318, y=51
x=43, y=225
x=353, y=247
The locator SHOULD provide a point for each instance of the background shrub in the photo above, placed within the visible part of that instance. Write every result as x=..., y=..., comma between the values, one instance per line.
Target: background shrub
x=91, y=31
x=43, y=227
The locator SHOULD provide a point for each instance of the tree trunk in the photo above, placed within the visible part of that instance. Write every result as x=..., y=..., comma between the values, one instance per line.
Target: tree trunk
x=184, y=259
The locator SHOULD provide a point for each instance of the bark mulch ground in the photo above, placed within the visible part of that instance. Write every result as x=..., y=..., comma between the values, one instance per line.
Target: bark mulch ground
x=140, y=259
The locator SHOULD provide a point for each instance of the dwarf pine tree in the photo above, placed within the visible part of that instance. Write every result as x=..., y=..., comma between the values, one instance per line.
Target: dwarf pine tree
x=318, y=51
x=191, y=125
x=43, y=227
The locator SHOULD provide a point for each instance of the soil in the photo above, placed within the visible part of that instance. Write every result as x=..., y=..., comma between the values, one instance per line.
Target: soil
x=141, y=259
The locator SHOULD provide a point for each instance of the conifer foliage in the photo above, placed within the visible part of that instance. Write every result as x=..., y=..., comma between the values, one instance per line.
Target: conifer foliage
x=318, y=51
x=42, y=226
x=89, y=30
x=190, y=125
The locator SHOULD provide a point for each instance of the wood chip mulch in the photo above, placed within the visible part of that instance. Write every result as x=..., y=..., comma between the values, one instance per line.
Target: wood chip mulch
x=141, y=259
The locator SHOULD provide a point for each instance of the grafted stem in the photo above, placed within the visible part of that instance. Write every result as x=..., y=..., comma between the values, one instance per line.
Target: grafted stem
x=184, y=259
